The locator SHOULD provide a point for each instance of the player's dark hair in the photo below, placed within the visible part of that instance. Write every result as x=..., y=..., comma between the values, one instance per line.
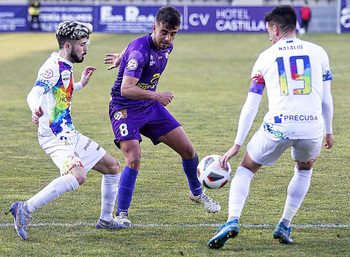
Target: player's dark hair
x=284, y=17
x=68, y=31
x=168, y=16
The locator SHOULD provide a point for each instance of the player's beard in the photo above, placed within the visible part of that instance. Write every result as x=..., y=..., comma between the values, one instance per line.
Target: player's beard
x=75, y=57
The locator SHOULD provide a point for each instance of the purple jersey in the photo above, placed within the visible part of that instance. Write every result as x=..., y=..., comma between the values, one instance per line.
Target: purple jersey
x=144, y=61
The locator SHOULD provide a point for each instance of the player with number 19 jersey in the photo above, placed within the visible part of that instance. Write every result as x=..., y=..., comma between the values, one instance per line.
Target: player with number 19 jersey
x=294, y=72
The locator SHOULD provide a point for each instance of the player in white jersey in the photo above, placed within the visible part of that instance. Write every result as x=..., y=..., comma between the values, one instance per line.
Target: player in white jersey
x=297, y=78
x=73, y=153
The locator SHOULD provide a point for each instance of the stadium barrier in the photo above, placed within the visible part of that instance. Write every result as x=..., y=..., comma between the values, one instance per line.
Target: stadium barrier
x=195, y=19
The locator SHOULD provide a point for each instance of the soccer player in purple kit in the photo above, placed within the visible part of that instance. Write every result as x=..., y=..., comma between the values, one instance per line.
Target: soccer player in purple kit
x=137, y=108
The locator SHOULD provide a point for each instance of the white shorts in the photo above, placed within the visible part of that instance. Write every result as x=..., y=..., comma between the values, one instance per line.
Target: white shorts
x=69, y=151
x=265, y=150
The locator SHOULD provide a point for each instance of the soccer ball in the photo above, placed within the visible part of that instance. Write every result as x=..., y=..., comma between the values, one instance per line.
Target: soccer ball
x=210, y=174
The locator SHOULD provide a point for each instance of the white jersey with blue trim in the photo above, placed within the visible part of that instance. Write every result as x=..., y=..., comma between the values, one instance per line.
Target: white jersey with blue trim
x=295, y=73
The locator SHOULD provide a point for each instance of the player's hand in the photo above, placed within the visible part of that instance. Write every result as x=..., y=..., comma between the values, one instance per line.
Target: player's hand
x=329, y=138
x=164, y=97
x=228, y=155
x=37, y=114
x=86, y=74
x=113, y=59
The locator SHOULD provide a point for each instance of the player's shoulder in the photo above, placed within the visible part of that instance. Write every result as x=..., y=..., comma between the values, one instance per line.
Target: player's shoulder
x=313, y=46
x=316, y=50
x=141, y=43
x=139, y=49
x=50, y=69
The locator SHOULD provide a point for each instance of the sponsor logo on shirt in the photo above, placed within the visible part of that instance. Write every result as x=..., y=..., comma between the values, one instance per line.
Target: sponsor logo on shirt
x=88, y=144
x=65, y=75
x=132, y=64
x=151, y=62
x=47, y=74
x=296, y=118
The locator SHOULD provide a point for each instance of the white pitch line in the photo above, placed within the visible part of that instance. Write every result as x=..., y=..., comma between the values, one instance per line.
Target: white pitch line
x=182, y=225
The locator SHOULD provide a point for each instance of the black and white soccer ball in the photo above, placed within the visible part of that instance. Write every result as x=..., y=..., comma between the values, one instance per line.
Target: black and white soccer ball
x=210, y=174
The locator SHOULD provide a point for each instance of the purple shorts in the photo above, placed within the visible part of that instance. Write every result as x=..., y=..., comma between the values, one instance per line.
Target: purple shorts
x=151, y=120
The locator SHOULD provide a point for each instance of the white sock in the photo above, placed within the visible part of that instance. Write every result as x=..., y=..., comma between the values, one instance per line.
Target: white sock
x=239, y=190
x=52, y=191
x=296, y=192
x=109, y=191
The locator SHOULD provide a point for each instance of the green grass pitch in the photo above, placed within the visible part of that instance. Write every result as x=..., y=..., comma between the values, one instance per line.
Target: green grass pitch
x=209, y=75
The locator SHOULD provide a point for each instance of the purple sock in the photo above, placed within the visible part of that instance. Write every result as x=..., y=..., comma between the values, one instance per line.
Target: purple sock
x=190, y=169
x=126, y=189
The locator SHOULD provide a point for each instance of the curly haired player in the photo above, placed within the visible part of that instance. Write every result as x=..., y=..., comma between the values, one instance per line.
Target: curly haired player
x=73, y=153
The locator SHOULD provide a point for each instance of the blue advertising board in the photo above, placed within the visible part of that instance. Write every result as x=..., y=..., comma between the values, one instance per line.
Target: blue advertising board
x=223, y=19
x=345, y=16
x=125, y=19
x=138, y=19
x=51, y=15
x=13, y=19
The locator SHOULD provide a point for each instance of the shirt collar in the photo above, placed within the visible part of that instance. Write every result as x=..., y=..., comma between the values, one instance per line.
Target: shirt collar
x=60, y=58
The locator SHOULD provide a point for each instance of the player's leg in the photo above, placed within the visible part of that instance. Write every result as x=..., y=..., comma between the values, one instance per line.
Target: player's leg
x=163, y=127
x=132, y=153
x=179, y=142
x=239, y=189
x=72, y=180
x=304, y=152
x=72, y=175
x=22, y=211
x=31, y=22
x=39, y=23
x=93, y=156
x=126, y=126
x=110, y=169
x=261, y=150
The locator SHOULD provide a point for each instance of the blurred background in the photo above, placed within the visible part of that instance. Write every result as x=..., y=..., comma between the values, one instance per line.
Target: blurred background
x=137, y=16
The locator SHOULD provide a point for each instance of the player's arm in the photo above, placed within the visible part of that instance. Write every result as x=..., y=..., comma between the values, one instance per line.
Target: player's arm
x=130, y=90
x=85, y=78
x=47, y=76
x=33, y=100
x=327, y=113
x=114, y=59
x=246, y=119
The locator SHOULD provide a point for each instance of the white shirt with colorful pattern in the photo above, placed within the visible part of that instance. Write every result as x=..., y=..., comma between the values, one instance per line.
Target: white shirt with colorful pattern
x=53, y=91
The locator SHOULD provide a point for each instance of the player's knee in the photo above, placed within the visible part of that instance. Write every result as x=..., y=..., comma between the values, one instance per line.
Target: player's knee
x=134, y=162
x=188, y=152
x=304, y=165
x=115, y=167
x=79, y=174
x=81, y=178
